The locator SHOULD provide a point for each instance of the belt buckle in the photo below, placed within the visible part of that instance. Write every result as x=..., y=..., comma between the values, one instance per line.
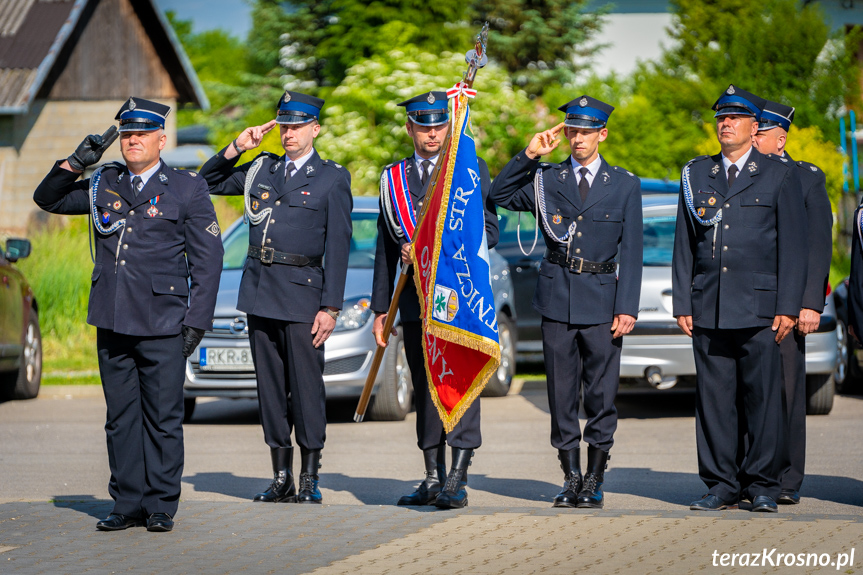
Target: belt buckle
x=267, y=255
x=580, y=264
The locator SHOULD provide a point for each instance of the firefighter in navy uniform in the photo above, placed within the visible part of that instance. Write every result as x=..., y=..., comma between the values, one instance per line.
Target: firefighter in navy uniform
x=772, y=133
x=158, y=258
x=299, y=210
x=588, y=212
x=427, y=124
x=739, y=274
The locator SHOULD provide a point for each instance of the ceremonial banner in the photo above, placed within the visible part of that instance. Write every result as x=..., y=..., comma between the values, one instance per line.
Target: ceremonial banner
x=450, y=256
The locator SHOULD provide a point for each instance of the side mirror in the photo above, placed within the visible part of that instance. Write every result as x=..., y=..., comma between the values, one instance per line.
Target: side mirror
x=16, y=249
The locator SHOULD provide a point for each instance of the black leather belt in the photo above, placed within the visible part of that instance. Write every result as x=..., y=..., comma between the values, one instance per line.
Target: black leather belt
x=271, y=256
x=580, y=265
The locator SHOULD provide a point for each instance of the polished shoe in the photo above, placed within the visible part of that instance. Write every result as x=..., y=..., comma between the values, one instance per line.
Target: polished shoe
x=282, y=489
x=789, y=497
x=765, y=504
x=430, y=487
x=311, y=462
x=591, y=496
x=118, y=522
x=711, y=502
x=160, y=522
x=570, y=463
x=454, y=493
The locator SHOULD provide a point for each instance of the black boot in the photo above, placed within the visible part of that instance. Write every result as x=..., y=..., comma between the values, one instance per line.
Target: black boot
x=309, y=492
x=570, y=463
x=282, y=489
x=454, y=494
x=591, y=493
x=428, y=490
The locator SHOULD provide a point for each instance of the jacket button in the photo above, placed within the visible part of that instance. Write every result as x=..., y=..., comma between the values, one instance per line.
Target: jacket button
x=725, y=227
x=131, y=212
x=269, y=240
x=309, y=280
x=724, y=248
x=727, y=205
x=125, y=246
x=272, y=221
x=578, y=234
x=278, y=202
x=578, y=250
x=606, y=216
x=580, y=218
x=129, y=230
x=160, y=213
x=122, y=262
x=724, y=269
x=756, y=200
x=171, y=288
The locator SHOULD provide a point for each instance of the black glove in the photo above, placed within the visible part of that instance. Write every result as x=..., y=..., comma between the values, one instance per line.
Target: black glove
x=192, y=336
x=91, y=149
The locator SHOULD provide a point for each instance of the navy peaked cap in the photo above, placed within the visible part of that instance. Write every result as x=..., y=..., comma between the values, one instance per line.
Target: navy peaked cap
x=139, y=115
x=586, y=112
x=297, y=108
x=428, y=109
x=774, y=114
x=738, y=101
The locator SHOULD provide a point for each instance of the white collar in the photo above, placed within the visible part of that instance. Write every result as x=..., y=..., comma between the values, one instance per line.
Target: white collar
x=592, y=167
x=145, y=177
x=740, y=163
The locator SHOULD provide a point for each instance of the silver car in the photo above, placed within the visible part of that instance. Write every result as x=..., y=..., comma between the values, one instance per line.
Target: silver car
x=222, y=365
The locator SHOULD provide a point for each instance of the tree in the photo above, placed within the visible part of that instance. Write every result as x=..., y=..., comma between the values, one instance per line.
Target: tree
x=540, y=42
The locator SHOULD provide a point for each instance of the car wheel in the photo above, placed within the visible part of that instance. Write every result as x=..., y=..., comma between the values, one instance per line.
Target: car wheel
x=851, y=379
x=501, y=380
x=188, y=409
x=840, y=373
x=820, y=389
x=392, y=400
x=24, y=383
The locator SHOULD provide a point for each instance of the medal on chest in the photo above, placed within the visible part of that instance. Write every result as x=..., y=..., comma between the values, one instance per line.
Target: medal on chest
x=153, y=211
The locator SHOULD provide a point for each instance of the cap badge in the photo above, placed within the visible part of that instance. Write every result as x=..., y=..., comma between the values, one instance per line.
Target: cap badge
x=556, y=219
x=430, y=99
x=582, y=102
x=132, y=104
x=752, y=166
x=715, y=169
x=287, y=96
x=711, y=201
x=730, y=90
x=117, y=205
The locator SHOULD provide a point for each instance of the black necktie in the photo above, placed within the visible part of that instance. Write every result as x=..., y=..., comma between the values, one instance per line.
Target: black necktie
x=583, y=184
x=288, y=169
x=732, y=175
x=137, y=184
x=424, y=176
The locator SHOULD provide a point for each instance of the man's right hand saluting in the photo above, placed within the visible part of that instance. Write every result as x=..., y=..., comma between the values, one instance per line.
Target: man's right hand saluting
x=90, y=150
x=544, y=142
x=249, y=139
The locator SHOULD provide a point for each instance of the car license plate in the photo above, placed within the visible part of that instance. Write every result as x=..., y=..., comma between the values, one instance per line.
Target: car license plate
x=226, y=359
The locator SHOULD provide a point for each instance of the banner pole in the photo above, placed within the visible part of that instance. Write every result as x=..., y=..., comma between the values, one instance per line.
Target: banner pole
x=476, y=59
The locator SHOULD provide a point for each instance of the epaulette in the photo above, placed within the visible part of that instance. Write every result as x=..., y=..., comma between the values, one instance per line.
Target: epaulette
x=806, y=165
x=698, y=159
x=189, y=173
x=623, y=171
x=544, y=164
x=266, y=154
x=775, y=158
x=333, y=164
x=115, y=166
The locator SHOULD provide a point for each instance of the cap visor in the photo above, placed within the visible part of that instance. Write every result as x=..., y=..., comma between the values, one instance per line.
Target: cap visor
x=429, y=119
x=584, y=123
x=733, y=111
x=138, y=127
x=291, y=119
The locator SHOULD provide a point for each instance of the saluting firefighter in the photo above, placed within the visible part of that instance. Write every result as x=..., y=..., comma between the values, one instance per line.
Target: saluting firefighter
x=157, y=263
x=739, y=274
x=588, y=212
x=772, y=134
x=427, y=125
x=299, y=211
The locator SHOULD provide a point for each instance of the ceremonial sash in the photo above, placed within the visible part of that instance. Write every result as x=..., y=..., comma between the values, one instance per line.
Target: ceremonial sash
x=396, y=200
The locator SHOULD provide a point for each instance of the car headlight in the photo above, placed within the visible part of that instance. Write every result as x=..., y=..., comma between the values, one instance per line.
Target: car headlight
x=355, y=314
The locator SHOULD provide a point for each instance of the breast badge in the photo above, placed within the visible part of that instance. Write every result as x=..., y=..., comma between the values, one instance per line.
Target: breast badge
x=701, y=212
x=106, y=217
x=556, y=219
x=255, y=205
x=117, y=205
x=265, y=195
x=712, y=201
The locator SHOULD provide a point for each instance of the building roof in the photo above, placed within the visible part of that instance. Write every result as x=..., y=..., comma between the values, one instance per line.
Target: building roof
x=35, y=33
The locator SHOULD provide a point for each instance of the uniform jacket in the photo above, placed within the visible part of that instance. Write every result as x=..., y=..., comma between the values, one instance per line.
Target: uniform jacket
x=608, y=223
x=855, y=282
x=388, y=252
x=819, y=222
x=311, y=217
x=145, y=290
x=759, y=266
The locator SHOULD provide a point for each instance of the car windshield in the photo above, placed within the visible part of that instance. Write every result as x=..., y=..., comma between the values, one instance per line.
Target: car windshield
x=658, y=234
x=363, y=242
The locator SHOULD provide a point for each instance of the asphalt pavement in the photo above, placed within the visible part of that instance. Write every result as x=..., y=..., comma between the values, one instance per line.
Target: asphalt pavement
x=54, y=472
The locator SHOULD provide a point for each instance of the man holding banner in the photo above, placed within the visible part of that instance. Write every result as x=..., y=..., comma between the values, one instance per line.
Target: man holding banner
x=460, y=228
x=588, y=212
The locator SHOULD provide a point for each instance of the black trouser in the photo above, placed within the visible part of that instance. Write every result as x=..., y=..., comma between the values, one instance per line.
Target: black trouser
x=430, y=433
x=738, y=366
x=290, y=374
x=793, y=353
x=142, y=378
x=575, y=354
